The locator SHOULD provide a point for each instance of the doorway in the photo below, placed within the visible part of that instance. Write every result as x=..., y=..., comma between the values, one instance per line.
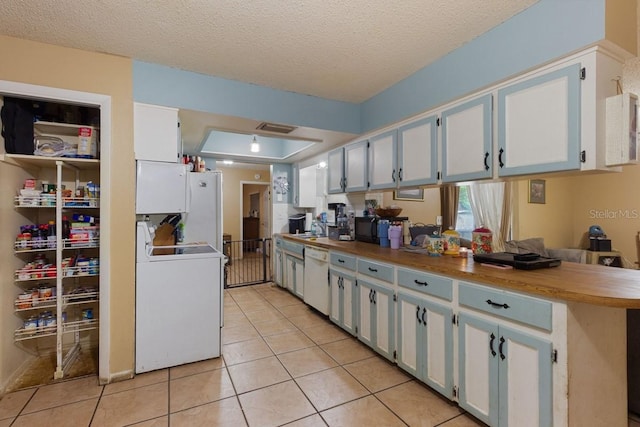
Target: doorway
x=250, y=256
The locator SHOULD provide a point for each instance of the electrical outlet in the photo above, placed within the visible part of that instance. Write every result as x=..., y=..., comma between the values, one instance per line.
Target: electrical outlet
x=439, y=220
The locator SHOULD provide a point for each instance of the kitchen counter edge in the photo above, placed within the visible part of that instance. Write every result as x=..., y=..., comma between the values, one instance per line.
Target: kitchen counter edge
x=583, y=283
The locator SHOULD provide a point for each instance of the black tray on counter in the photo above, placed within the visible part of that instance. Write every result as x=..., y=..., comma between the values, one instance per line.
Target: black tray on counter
x=529, y=261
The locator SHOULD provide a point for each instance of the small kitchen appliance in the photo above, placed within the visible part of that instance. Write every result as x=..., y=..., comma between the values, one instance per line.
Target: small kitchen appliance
x=366, y=227
x=296, y=224
x=335, y=211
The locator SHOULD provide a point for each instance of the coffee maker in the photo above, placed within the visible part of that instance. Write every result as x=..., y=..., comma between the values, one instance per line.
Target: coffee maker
x=335, y=211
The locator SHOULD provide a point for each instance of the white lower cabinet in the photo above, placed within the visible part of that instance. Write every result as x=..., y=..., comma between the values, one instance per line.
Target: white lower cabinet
x=505, y=375
x=294, y=275
x=425, y=341
x=277, y=268
x=505, y=356
x=376, y=318
x=341, y=310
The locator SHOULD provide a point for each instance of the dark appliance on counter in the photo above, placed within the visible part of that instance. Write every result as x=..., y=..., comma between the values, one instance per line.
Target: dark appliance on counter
x=296, y=224
x=366, y=227
x=528, y=261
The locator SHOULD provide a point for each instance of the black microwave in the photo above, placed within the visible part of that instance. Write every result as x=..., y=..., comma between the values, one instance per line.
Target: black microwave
x=366, y=228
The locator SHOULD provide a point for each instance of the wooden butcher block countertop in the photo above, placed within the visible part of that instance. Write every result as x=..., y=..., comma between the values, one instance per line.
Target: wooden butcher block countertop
x=585, y=283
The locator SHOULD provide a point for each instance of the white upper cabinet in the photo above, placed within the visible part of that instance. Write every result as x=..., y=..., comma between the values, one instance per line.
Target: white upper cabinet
x=467, y=141
x=383, y=172
x=539, y=123
x=305, y=191
x=335, y=171
x=155, y=133
x=355, y=166
x=417, y=153
x=554, y=119
x=547, y=120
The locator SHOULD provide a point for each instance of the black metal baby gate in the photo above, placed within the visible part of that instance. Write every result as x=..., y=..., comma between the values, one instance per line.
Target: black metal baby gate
x=249, y=262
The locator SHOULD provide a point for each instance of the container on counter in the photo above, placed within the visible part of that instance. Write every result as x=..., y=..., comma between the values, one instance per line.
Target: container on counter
x=435, y=245
x=452, y=242
x=383, y=233
x=482, y=241
x=395, y=236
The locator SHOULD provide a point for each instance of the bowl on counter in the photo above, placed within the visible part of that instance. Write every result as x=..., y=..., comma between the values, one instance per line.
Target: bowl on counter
x=388, y=212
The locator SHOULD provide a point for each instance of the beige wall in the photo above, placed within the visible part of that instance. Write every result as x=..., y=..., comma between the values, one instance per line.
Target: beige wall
x=425, y=211
x=232, y=196
x=551, y=220
x=48, y=65
x=620, y=24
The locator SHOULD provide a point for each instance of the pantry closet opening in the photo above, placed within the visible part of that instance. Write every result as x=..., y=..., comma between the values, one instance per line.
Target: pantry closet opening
x=55, y=316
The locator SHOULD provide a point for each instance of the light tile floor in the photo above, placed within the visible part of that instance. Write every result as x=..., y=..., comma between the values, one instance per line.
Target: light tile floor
x=282, y=364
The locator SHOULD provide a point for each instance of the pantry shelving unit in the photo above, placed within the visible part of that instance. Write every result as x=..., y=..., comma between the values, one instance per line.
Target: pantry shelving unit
x=76, y=287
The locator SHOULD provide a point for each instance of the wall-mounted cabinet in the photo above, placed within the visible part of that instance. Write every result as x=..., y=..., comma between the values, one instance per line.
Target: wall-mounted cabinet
x=539, y=123
x=548, y=120
x=356, y=166
x=467, y=140
x=383, y=170
x=417, y=153
x=335, y=171
x=304, y=186
x=156, y=133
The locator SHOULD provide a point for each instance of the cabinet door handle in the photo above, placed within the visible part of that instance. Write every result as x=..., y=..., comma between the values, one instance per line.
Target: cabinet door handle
x=393, y=176
x=341, y=261
x=486, y=161
x=502, y=356
x=497, y=305
x=371, y=296
x=493, y=338
x=500, y=153
x=424, y=311
x=418, y=282
x=375, y=270
x=375, y=300
x=418, y=314
x=400, y=174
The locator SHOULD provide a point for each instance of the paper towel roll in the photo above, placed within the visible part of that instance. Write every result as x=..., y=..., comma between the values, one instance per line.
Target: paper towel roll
x=308, y=219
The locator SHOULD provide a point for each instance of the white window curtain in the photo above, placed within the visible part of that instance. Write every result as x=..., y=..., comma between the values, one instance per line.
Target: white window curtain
x=491, y=203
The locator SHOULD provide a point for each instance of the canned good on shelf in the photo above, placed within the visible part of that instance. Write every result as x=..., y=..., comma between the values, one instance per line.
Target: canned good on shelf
x=31, y=325
x=24, y=300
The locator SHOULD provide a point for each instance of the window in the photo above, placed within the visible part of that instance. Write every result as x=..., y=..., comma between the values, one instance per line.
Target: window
x=464, y=221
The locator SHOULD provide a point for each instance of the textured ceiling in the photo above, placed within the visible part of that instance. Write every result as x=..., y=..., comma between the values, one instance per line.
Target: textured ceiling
x=336, y=49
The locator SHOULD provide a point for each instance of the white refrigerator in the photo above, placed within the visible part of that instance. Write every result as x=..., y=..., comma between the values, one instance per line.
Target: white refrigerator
x=203, y=216
x=178, y=295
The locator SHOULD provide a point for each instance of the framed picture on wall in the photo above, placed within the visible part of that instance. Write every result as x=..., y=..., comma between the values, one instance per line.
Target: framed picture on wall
x=537, y=189
x=414, y=194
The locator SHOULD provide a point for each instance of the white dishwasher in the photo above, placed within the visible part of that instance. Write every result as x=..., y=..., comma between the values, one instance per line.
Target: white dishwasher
x=316, y=279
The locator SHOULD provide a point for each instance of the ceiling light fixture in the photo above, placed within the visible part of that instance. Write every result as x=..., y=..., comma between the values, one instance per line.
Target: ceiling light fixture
x=255, y=147
x=227, y=162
